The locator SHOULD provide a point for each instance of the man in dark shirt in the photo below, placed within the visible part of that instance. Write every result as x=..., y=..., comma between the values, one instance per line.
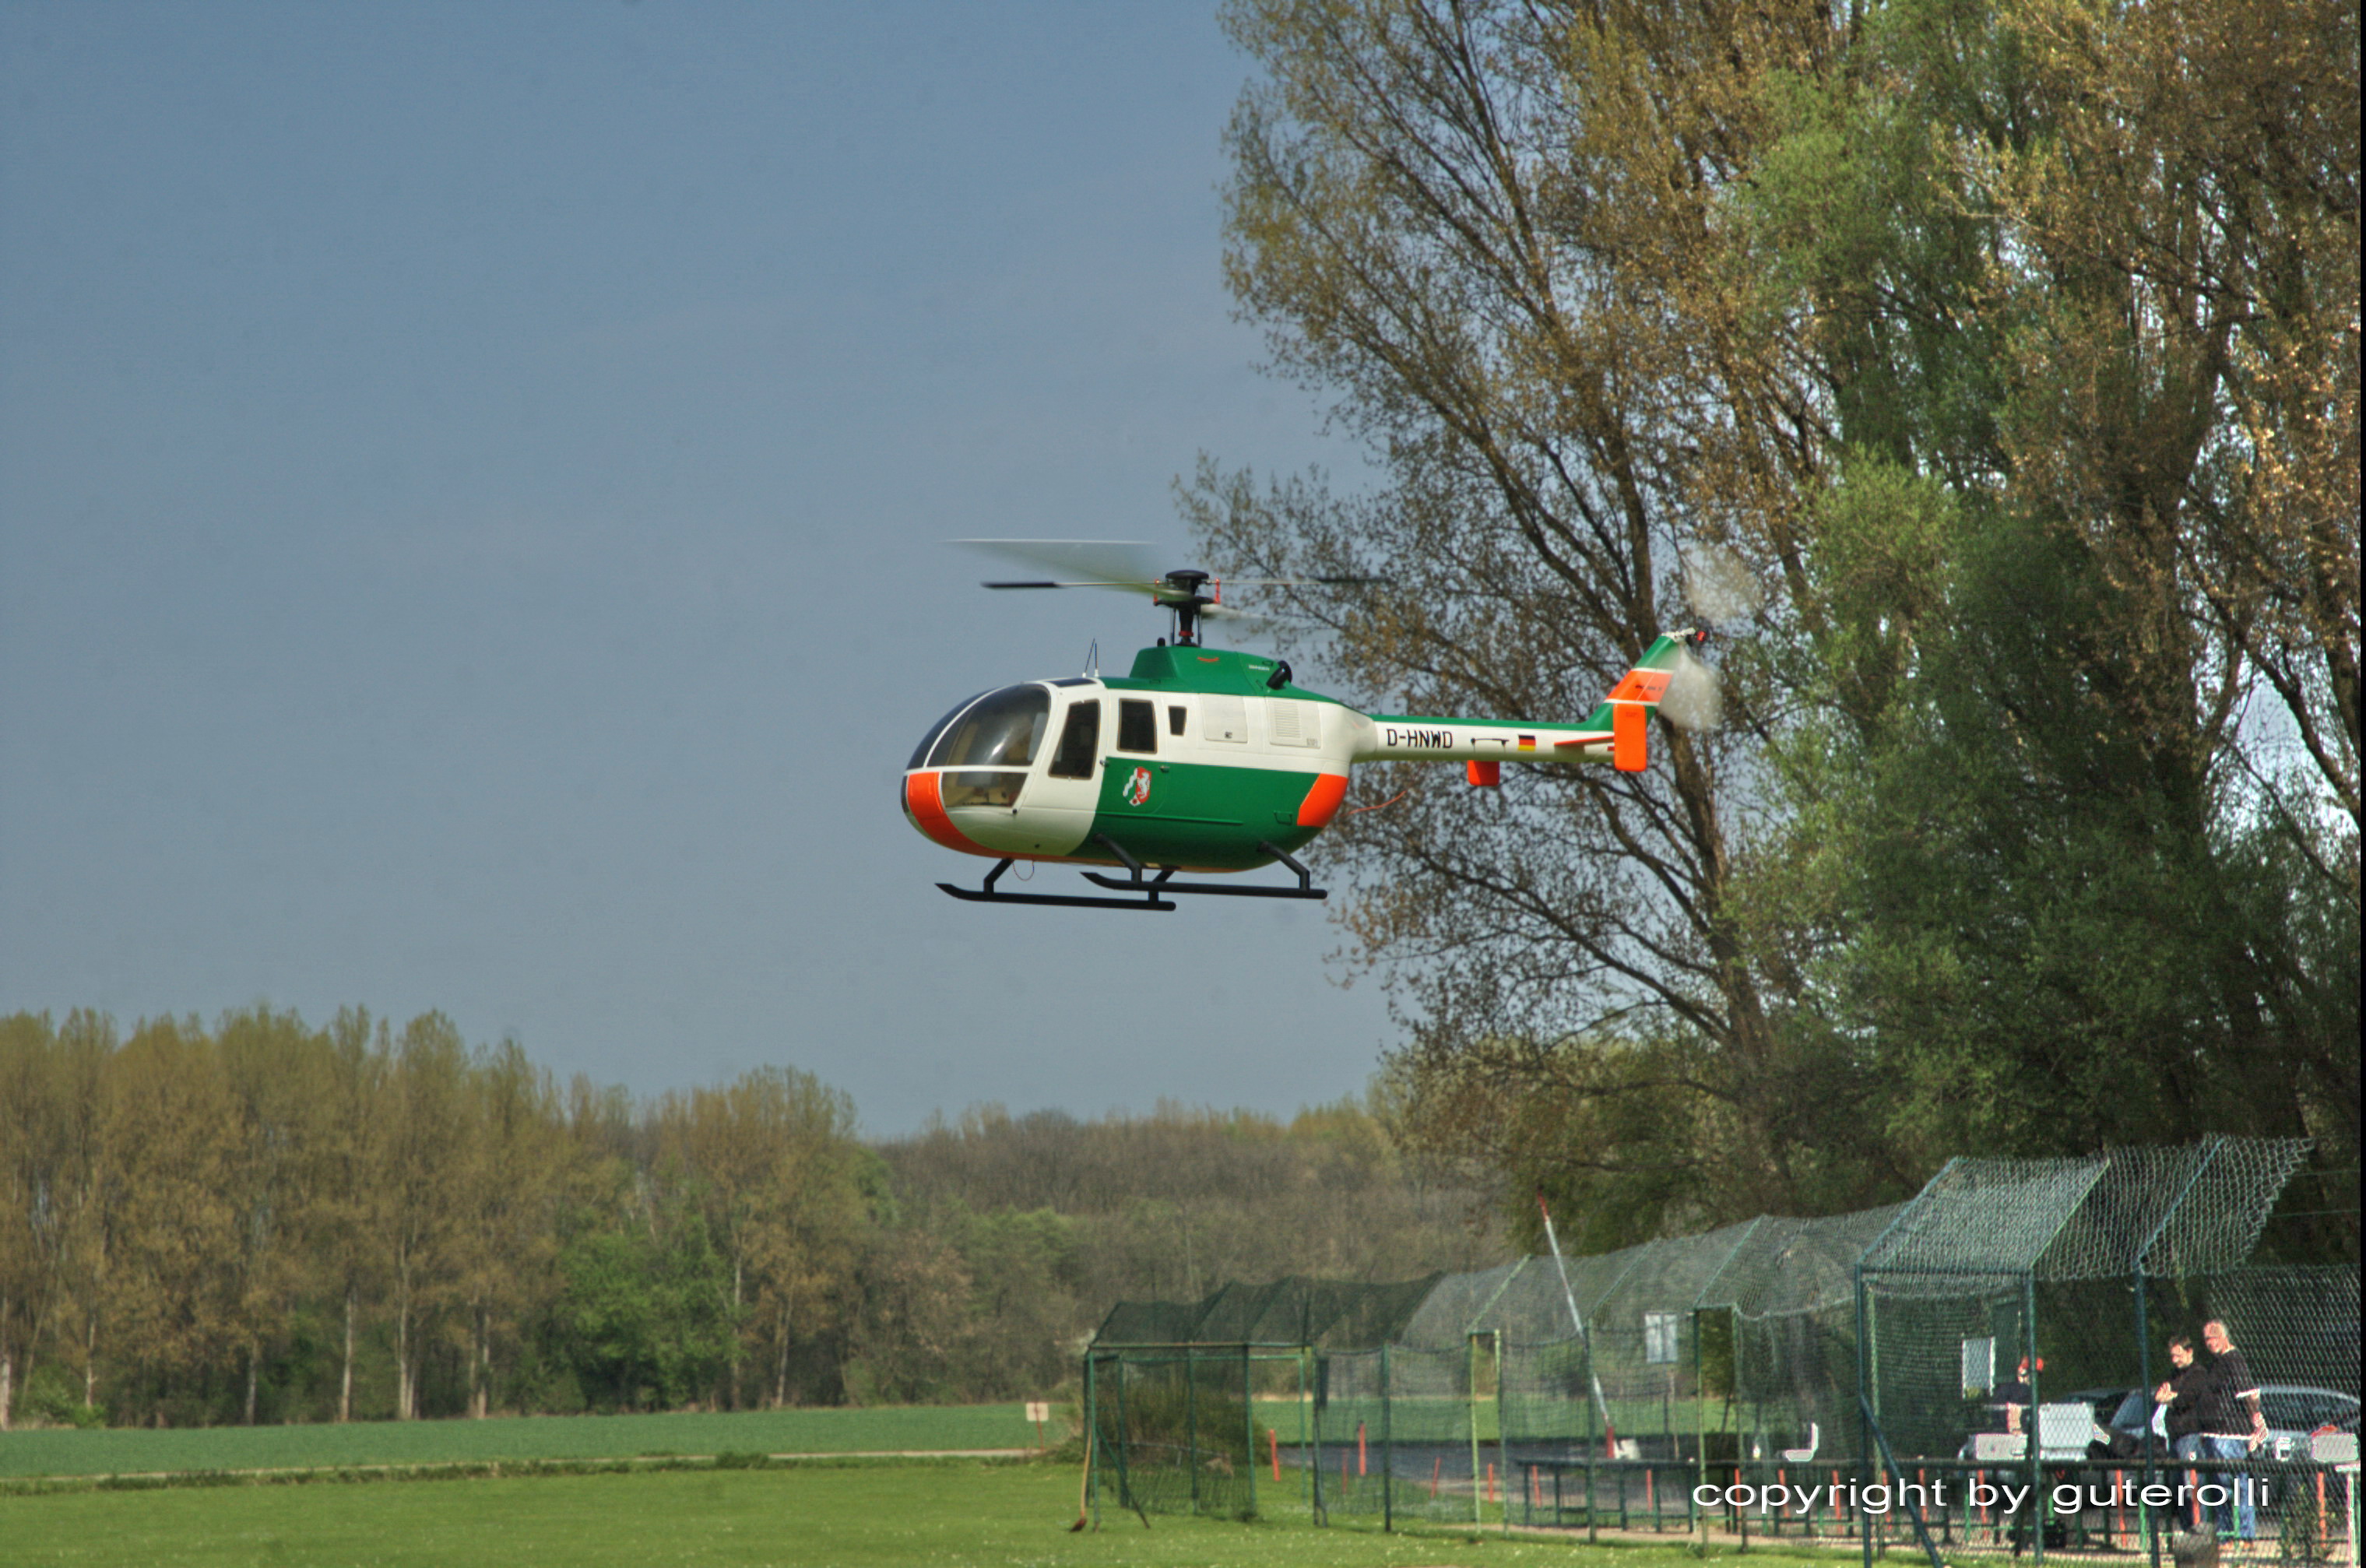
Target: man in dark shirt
x=2181, y=1392
x=2232, y=1424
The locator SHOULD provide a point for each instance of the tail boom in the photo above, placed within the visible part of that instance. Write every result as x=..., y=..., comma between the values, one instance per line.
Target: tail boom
x=1613, y=733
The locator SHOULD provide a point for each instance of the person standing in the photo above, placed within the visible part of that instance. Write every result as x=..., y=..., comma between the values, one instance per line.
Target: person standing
x=2181, y=1395
x=2233, y=1424
x=2181, y=1392
x=2009, y=1406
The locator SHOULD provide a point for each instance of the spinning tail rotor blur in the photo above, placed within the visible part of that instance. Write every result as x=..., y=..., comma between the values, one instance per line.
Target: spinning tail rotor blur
x=1722, y=592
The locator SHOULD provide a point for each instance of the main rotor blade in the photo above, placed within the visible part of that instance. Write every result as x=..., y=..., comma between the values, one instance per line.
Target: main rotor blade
x=1301, y=581
x=1128, y=586
x=1718, y=584
x=1127, y=565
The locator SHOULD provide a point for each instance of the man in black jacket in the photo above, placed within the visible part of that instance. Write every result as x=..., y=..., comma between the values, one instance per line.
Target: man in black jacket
x=2182, y=1393
x=2233, y=1424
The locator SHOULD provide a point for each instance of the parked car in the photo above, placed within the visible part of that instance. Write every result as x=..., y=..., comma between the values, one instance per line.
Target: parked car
x=2295, y=1414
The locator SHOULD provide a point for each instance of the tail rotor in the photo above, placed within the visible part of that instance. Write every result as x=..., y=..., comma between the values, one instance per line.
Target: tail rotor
x=1723, y=592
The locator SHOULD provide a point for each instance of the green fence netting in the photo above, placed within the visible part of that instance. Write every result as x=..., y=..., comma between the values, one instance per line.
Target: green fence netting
x=1881, y=1346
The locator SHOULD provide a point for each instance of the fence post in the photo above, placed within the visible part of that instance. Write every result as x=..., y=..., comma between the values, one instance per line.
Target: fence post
x=1314, y=1451
x=2145, y=1385
x=1092, y=1430
x=1387, y=1448
x=1502, y=1432
x=2037, y=1504
x=1470, y=1406
x=1694, y=1515
x=1865, y=1380
x=1124, y=1439
x=1192, y=1423
x=1305, y=1397
x=1595, y=1442
x=1248, y=1424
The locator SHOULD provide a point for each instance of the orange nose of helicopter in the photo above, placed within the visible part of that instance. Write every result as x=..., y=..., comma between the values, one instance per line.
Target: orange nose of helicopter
x=924, y=808
x=977, y=755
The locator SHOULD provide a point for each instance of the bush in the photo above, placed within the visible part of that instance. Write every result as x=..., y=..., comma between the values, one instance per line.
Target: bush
x=52, y=1397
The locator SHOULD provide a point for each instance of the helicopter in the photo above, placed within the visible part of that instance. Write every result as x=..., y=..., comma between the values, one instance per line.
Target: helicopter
x=1203, y=760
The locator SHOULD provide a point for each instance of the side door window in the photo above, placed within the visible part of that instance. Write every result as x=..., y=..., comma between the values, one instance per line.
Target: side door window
x=1080, y=742
x=1137, y=726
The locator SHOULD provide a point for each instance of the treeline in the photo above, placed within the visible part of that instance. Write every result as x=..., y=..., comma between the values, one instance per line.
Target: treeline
x=1172, y=1205
x=263, y=1221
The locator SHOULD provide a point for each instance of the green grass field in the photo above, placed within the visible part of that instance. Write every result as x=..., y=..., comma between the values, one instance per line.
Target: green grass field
x=951, y=1514
x=886, y=1429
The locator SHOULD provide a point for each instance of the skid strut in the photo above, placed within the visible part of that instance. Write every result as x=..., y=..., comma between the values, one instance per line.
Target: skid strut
x=1162, y=883
x=1153, y=889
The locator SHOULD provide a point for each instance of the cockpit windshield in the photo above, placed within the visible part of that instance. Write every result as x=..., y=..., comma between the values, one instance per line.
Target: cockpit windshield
x=1002, y=730
x=921, y=752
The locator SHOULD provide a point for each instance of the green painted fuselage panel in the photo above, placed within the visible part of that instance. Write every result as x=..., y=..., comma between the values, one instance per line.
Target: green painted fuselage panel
x=1200, y=815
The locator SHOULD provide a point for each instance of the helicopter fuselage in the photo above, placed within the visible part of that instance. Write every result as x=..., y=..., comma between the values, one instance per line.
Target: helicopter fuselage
x=1201, y=758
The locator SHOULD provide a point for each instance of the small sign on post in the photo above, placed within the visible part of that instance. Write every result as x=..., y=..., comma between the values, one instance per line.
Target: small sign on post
x=1039, y=1411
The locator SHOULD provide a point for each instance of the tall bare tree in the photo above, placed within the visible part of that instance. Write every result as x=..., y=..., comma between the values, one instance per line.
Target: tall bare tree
x=1490, y=235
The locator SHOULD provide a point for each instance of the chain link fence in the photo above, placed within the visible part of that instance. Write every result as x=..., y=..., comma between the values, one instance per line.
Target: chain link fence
x=1968, y=1373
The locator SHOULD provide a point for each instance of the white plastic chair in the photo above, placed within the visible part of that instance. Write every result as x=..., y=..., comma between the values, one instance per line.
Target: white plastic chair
x=1815, y=1441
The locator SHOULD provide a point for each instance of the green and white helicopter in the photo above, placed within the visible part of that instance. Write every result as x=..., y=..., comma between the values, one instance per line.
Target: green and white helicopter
x=1206, y=759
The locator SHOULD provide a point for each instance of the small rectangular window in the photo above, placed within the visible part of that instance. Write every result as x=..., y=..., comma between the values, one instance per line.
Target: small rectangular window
x=1175, y=718
x=1979, y=1365
x=1660, y=1337
x=1137, y=727
x=1080, y=742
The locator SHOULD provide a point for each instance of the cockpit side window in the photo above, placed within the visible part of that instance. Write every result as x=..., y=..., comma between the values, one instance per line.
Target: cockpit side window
x=1080, y=742
x=1001, y=730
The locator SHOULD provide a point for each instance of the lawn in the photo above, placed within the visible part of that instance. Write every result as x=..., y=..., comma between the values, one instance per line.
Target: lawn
x=952, y=1515
x=884, y=1429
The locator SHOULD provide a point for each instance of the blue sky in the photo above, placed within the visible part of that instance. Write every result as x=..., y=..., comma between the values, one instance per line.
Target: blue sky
x=473, y=481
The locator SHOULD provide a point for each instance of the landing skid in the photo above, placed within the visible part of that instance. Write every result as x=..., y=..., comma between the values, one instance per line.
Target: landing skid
x=987, y=895
x=1151, y=888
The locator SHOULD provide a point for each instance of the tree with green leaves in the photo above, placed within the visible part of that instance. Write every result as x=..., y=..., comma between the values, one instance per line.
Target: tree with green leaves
x=514, y=1177
x=768, y=1162
x=2083, y=280
x=417, y=1201
x=168, y=1297
x=277, y=1073
x=2011, y=348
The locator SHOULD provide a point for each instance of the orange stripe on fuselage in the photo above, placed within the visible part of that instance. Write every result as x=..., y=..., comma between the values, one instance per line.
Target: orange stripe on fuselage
x=927, y=806
x=1321, y=802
